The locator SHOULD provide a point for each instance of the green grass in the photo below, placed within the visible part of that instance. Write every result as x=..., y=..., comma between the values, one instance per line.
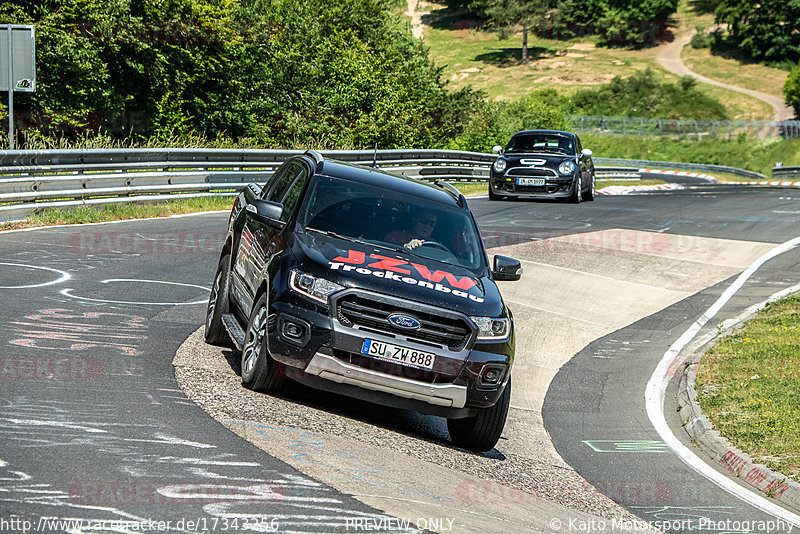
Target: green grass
x=752, y=154
x=749, y=386
x=121, y=211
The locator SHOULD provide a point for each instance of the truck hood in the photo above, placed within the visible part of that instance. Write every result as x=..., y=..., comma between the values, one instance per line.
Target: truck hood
x=373, y=268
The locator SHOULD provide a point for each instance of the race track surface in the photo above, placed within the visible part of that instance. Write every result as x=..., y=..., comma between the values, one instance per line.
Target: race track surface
x=94, y=425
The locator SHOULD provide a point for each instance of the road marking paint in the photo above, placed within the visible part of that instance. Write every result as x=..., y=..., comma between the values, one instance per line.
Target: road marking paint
x=657, y=385
x=63, y=278
x=627, y=446
x=68, y=293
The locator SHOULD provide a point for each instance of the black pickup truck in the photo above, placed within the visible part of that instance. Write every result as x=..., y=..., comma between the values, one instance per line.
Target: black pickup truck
x=369, y=284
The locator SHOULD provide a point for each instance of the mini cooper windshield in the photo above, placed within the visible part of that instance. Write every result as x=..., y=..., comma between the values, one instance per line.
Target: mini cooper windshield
x=388, y=218
x=530, y=143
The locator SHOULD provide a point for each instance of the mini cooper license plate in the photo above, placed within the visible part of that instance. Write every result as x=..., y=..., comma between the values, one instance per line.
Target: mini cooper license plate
x=399, y=355
x=530, y=181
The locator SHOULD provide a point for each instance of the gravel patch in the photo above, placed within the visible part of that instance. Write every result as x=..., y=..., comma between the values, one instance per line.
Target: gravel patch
x=517, y=462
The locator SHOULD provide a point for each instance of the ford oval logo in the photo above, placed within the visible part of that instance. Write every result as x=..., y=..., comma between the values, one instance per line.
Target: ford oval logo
x=402, y=320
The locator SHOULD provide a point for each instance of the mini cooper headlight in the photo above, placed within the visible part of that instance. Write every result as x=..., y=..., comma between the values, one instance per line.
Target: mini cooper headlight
x=499, y=165
x=491, y=328
x=566, y=167
x=311, y=286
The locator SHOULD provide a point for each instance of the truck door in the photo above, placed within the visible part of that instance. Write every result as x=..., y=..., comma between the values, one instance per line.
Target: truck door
x=260, y=241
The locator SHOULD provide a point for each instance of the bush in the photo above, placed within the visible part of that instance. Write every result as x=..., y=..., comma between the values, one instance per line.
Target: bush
x=641, y=95
x=272, y=73
x=700, y=39
x=791, y=89
x=497, y=122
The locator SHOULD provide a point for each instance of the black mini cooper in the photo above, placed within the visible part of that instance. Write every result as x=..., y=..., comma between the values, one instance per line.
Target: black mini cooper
x=543, y=164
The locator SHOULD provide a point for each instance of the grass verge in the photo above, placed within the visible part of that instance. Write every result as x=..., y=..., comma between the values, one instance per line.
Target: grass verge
x=752, y=154
x=121, y=211
x=749, y=386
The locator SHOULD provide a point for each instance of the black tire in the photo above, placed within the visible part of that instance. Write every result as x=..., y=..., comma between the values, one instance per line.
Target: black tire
x=492, y=195
x=481, y=432
x=259, y=371
x=589, y=194
x=576, y=196
x=215, y=332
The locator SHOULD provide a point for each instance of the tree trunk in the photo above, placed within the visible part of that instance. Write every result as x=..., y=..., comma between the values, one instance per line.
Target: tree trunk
x=524, y=42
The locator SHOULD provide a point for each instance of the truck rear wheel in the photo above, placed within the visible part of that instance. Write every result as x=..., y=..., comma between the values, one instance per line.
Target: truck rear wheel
x=481, y=432
x=259, y=371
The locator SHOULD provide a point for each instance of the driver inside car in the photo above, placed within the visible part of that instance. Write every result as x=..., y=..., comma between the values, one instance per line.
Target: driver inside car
x=422, y=226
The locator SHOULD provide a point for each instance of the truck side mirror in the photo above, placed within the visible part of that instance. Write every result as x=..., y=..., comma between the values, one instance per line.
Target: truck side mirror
x=265, y=212
x=506, y=269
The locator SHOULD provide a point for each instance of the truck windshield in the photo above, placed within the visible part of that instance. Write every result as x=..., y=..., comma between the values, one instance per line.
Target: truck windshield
x=362, y=212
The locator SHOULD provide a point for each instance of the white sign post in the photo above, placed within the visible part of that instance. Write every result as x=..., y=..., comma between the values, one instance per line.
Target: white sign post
x=17, y=66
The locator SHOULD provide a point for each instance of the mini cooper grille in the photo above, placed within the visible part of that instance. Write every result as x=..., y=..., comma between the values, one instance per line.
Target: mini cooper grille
x=357, y=310
x=531, y=172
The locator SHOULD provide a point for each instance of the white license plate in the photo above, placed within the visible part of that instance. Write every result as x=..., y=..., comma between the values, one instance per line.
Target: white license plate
x=530, y=181
x=397, y=354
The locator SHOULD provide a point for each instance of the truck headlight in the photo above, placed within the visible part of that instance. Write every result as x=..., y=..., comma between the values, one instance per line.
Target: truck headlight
x=312, y=286
x=566, y=167
x=499, y=165
x=490, y=328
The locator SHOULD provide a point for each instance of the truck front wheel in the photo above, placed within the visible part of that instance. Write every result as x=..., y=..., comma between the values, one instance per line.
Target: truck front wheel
x=259, y=371
x=481, y=432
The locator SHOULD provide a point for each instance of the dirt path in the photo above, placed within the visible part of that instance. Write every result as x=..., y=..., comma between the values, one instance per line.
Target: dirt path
x=669, y=57
x=416, y=17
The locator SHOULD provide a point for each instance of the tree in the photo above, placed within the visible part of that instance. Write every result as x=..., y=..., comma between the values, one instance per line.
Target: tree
x=791, y=89
x=504, y=13
x=768, y=30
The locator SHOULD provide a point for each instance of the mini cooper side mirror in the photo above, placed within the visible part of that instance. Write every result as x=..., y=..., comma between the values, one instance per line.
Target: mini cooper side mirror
x=506, y=269
x=265, y=211
x=586, y=153
x=497, y=149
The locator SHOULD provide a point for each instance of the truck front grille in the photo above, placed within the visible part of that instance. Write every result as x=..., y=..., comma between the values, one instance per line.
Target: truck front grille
x=437, y=326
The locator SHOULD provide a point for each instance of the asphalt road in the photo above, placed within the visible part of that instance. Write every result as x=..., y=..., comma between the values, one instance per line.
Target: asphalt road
x=94, y=427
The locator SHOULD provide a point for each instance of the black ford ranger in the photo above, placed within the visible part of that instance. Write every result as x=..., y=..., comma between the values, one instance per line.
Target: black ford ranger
x=368, y=284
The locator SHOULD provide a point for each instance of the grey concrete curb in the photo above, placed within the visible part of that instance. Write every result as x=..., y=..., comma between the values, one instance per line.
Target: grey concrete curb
x=714, y=448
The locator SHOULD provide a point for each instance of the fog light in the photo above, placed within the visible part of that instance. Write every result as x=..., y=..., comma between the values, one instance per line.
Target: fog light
x=492, y=375
x=292, y=330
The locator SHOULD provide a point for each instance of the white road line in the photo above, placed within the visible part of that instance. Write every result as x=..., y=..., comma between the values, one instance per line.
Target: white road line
x=63, y=278
x=656, y=388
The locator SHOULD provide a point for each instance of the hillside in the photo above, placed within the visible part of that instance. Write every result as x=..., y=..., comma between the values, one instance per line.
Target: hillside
x=477, y=58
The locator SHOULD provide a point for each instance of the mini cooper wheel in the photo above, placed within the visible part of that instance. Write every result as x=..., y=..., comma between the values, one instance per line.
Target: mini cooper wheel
x=259, y=371
x=481, y=432
x=215, y=333
x=493, y=195
x=589, y=194
x=576, y=196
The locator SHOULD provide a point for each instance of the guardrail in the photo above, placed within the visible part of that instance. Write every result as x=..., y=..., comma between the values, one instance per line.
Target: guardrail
x=33, y=180
x=786, y=173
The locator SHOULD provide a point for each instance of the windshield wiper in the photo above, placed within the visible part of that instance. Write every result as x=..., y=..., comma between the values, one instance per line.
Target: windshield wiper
x=358, y=240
